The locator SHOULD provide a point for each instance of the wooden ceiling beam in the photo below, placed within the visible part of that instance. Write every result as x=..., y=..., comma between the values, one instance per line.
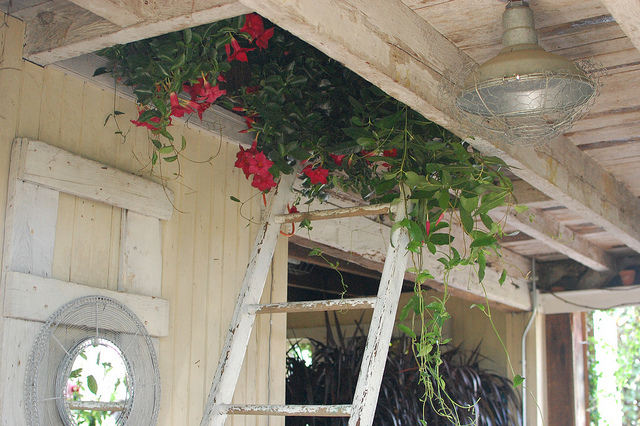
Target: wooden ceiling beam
x=392, y=47
x=544, y=228
x=122, y=13
x=66, y=30
x=627, y=15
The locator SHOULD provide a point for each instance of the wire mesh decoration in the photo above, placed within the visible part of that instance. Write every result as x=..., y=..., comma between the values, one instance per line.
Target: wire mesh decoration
x=538, y=108
x=81, y=323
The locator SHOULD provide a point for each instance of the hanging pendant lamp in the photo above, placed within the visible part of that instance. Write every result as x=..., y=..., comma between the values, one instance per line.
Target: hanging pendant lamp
x=525, y=95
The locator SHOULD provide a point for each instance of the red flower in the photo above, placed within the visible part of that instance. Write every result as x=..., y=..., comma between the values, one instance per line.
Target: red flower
x=260, y=165
x=263, y=39
x=318, y=175
x=249, y=120
x=239, y=53
x=194, y=90
x=201, y=108
x=178, y=110
x=263, y=183
x=292, y=209
x=428, y=226
x=210, y=93
x=253, y=25
x=440, y=218
x=252, y=89
x=147, y=124
x=390, y=152
x=245, y=159
x=337, y=159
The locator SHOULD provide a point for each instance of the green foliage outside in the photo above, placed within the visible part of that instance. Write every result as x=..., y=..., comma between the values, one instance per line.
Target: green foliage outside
x=628, y=372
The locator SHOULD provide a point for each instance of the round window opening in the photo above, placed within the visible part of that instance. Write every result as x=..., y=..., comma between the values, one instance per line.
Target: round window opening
x=94, y=383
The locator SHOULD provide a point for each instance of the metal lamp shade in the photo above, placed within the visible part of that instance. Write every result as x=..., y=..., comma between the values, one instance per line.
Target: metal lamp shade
x=525, y=82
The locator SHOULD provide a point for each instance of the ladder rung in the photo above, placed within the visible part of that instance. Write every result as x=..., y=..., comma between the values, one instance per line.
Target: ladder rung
x=289, y=410
x=313, y=306
x=334, y=213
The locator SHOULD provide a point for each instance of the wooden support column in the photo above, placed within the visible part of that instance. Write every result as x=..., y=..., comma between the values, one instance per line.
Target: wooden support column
x=566, y=360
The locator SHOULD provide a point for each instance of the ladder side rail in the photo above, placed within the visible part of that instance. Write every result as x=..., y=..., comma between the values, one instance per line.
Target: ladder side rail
x=375, y=355
x=233, y=351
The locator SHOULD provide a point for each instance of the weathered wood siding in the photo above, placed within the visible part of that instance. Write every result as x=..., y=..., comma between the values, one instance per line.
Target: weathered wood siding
x=205, y=245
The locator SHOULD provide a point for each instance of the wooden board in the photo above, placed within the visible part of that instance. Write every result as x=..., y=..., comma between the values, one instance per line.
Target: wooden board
x=62, y=171
x=33, y=298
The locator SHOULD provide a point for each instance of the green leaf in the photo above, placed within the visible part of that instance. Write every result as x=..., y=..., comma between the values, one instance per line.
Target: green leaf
x=517, y=380
x=165, y=149
x=443, y=199
x=483, y=241
x=414, y=246
x=441, y=239
x=406, y=330
x=170, y=159
x=469, y=204
x=234, y=199
x=482, y=265
x=467, y=220
x=92, y=384
x=476, y=305
x=520, y=208
x=503, y=277
x=100, y=71
x=184, y=143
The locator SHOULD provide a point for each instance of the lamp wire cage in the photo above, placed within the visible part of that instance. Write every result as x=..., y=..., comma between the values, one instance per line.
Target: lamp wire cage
x=543, y=109
x=83, y=322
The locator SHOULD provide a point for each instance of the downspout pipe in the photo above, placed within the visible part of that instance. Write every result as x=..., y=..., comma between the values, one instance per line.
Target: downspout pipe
x=534, y=311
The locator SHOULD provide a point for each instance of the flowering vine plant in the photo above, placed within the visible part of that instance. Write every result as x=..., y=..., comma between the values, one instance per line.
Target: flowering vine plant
x=306, y=109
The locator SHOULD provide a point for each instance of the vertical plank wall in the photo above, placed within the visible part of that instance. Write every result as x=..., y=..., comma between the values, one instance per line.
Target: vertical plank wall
x=205, y=245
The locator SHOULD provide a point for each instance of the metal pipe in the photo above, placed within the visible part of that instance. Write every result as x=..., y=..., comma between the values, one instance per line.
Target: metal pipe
x=534, y=311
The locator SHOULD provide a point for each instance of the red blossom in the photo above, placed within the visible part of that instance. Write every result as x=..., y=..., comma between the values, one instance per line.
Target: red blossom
x=263, y=183
x=261, y=165
x=262, y=41
x=440, y=218
x=201, y=108
x=253, y=25
x=252, y=89
x=147, y=124
x=193, y=90
x=249, y=120
x=245, y=159
x=239, y=53
x=318, y=175
x=210, y=93
x=254, y=162
x=292, y=209
x=178, y=110
x=337, y=159
x=390, y=152
x=428, y=226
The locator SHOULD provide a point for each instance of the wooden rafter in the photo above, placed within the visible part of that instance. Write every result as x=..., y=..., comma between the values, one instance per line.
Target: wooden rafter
x=121, y=13
x=627, y=15
x=541, y=226
x=66, y=30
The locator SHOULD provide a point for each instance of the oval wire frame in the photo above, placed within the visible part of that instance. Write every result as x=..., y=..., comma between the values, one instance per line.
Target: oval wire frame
x=72, y=325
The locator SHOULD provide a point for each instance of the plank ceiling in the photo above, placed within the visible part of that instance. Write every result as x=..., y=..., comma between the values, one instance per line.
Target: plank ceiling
x=583, y=188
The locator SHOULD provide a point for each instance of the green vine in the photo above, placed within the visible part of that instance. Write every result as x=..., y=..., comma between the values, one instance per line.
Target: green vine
x=305, y=108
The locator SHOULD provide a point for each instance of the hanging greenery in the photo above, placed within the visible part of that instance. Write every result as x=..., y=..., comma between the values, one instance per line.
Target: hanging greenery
x=307, y=110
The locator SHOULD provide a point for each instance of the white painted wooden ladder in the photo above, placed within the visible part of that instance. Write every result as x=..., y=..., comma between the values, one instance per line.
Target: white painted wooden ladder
x=362, y=410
